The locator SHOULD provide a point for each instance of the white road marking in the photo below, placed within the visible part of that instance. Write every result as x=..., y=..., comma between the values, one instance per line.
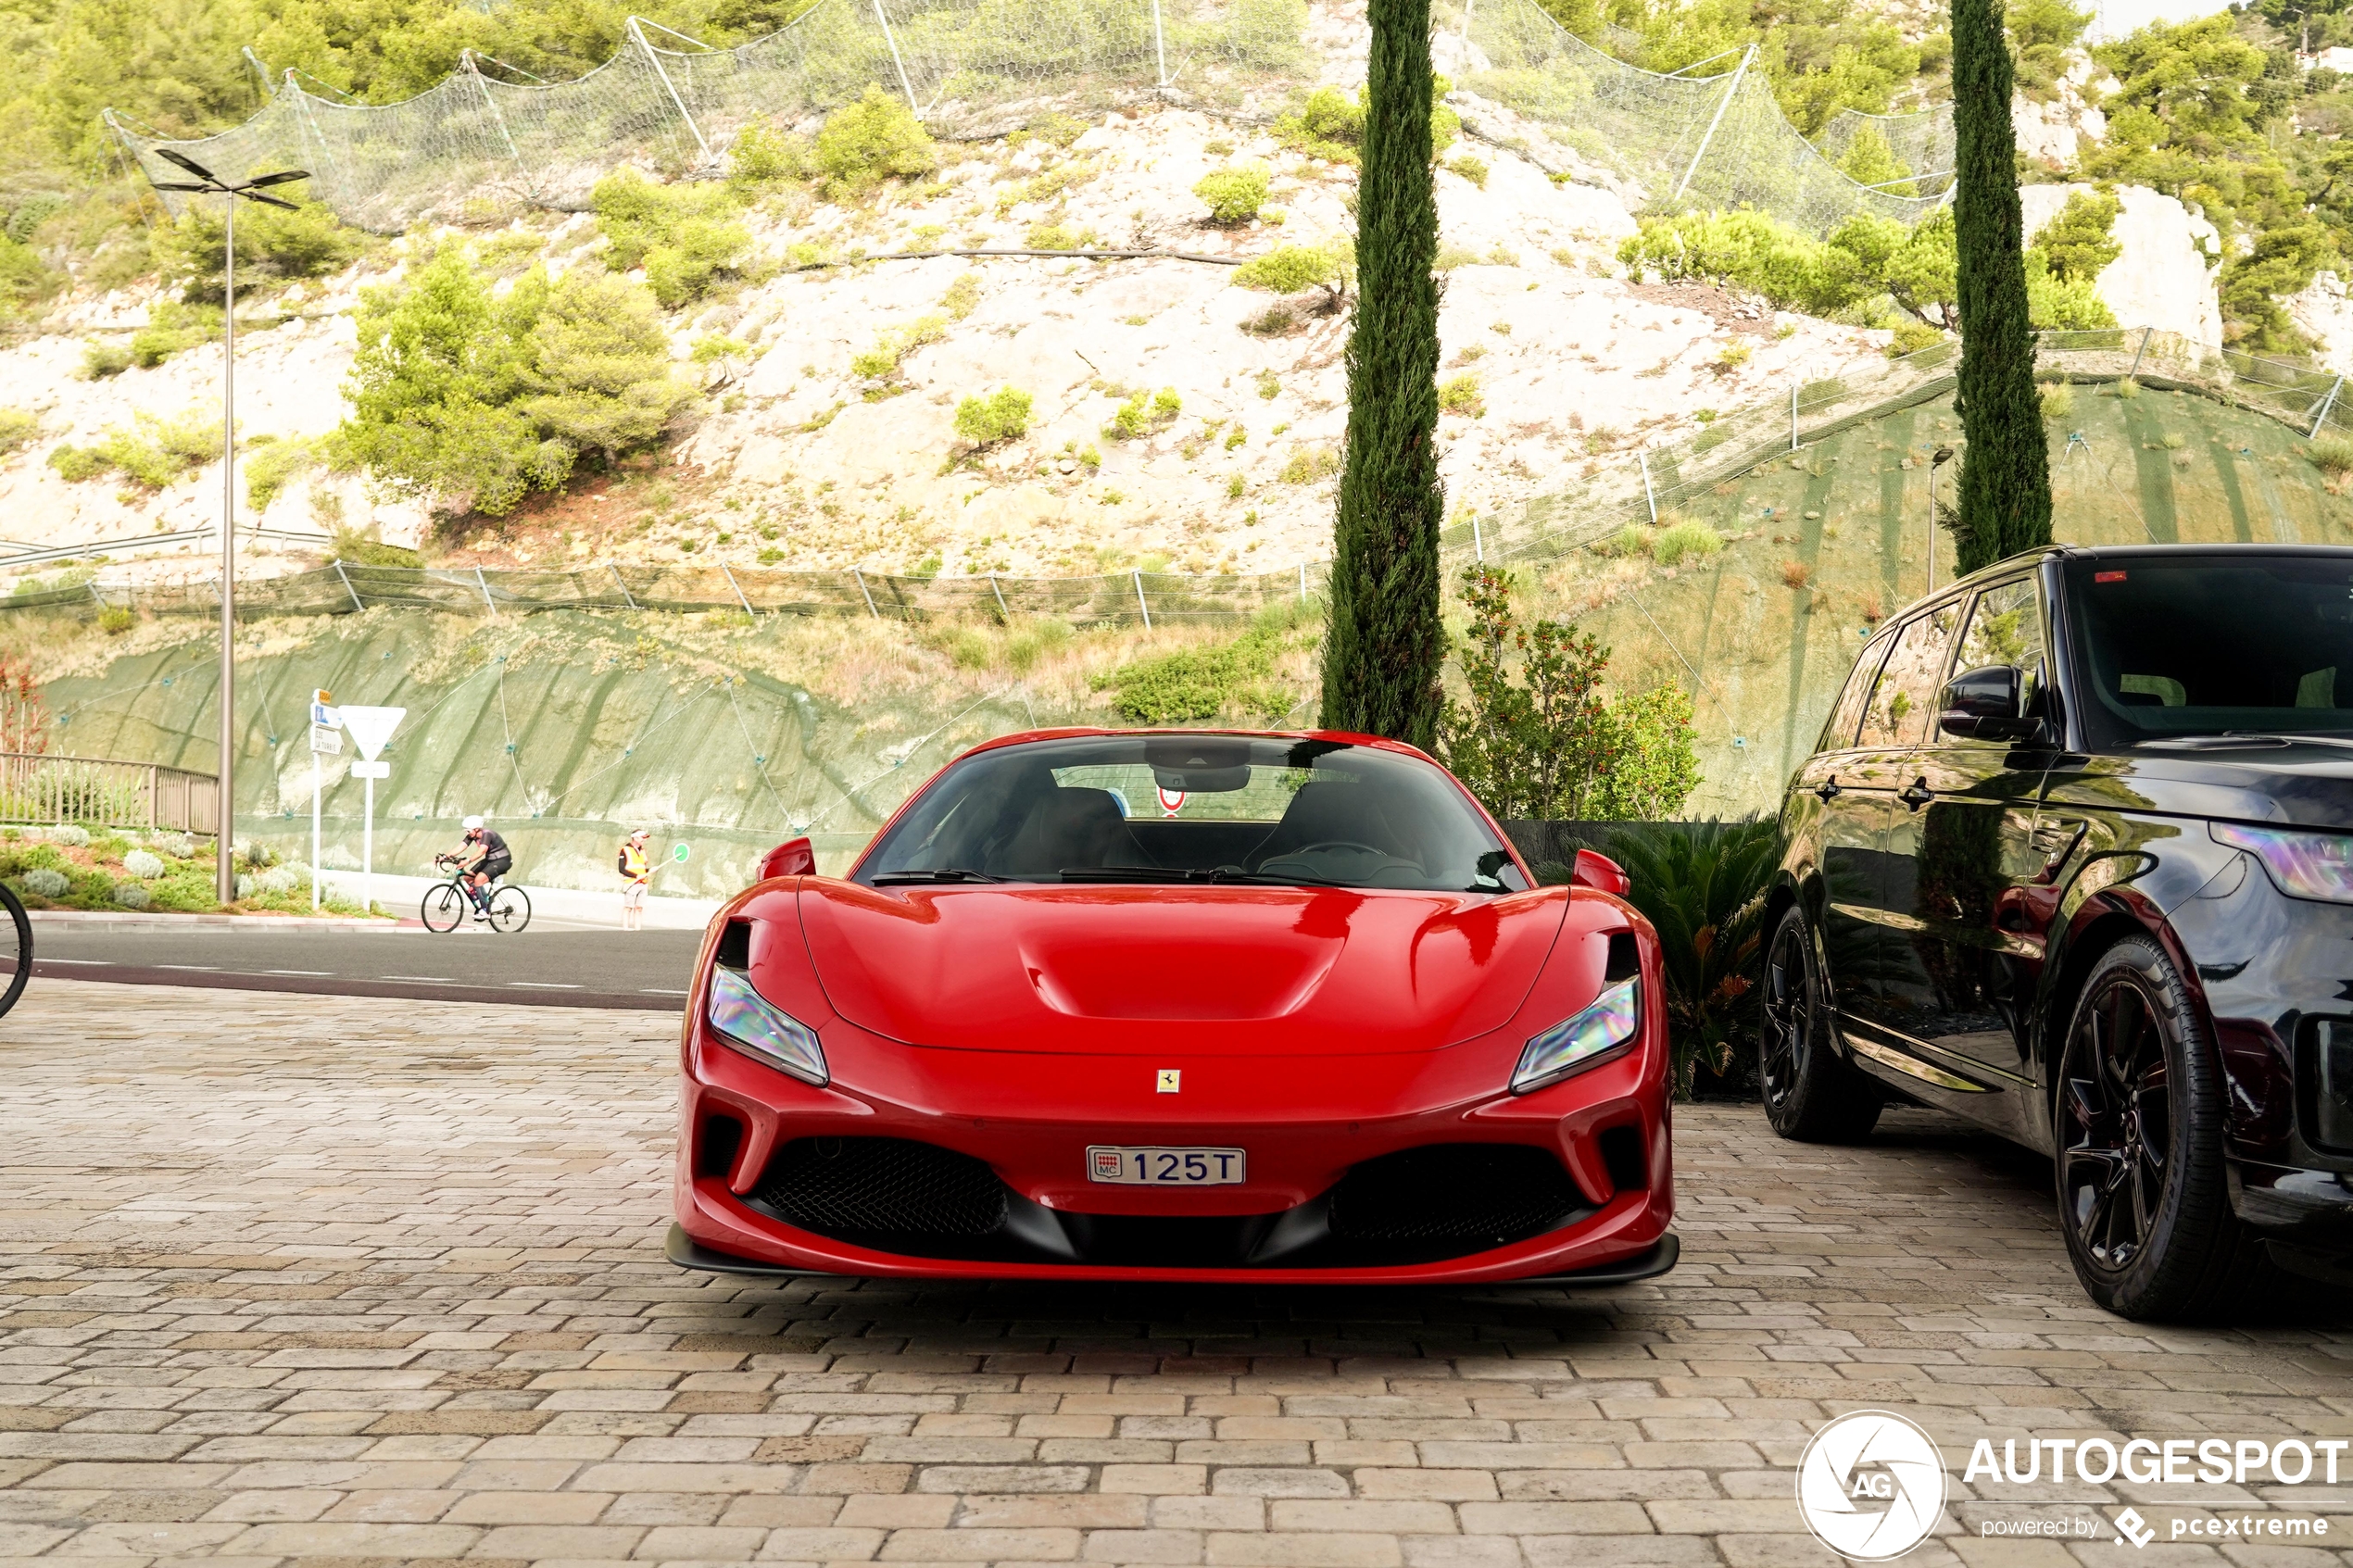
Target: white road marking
x=658, y=991
x=436, y=979
x=539, y=985
x=314, y=972
x=197, y=968
x=101, y=963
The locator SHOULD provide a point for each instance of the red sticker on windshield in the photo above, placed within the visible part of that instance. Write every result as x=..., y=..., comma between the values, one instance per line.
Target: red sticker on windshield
x=2108, y=577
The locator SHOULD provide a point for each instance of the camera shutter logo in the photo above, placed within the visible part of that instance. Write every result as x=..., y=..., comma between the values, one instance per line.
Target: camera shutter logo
x=1871, y=1485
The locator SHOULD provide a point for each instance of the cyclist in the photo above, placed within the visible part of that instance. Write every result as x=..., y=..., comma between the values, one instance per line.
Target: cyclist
x=637, y=871
x=483, y=860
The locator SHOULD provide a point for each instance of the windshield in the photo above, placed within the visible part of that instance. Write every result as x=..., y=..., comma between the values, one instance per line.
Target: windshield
x=1178, y=808
x=2197, y=645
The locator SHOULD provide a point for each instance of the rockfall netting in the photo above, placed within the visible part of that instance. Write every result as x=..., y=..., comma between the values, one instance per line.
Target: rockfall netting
x=479, y=144
x=1920, y=143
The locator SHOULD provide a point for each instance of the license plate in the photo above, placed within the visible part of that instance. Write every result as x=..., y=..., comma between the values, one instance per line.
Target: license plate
x=1160, y=1167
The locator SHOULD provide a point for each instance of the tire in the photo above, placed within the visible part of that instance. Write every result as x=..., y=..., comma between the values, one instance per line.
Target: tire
x=444, y=908
x=510, y=909
x=2143, y=1198
x=1811, y=1095
x=16, y=948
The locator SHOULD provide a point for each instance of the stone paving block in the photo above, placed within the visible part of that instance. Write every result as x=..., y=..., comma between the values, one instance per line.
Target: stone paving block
x=474, y=1352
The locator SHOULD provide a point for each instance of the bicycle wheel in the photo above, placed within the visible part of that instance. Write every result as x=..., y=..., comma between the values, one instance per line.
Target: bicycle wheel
x=510, y=909
x=444, y=906
x=16, y=949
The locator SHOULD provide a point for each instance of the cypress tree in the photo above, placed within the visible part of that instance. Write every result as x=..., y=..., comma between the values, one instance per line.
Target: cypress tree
x=2005, y=472
x=1385, y=643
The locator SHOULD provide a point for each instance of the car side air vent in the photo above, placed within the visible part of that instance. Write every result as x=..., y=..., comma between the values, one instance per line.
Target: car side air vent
x=734, y=946
x=1622, y=1157
x=715, y=1152
x=1625, y=958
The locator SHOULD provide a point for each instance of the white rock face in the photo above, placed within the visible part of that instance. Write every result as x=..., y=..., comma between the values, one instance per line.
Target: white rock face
x=2325, y=312
x=2055, y=129
x=2163, y=278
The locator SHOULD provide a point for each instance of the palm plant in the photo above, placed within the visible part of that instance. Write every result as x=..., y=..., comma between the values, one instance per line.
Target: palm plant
x=1703, y=886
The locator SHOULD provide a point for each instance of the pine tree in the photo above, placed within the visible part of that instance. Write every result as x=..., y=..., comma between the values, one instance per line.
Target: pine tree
x=1384, y=642
x=2005, y=472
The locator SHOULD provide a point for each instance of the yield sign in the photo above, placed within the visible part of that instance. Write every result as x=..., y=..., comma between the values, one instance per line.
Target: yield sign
x=371, y=727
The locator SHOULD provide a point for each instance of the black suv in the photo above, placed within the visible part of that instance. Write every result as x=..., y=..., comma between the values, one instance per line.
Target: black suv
x=2074, y=860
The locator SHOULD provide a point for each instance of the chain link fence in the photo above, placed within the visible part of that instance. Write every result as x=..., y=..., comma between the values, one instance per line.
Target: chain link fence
x=673, y=106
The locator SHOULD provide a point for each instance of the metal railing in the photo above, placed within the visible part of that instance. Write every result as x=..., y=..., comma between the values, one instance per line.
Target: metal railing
x=95, y=791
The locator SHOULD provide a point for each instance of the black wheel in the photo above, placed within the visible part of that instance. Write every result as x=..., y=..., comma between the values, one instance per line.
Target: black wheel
x=2142, y=1197
x=16, y=949
x=444, y=906
x=510, y=909
x=1811, y=1095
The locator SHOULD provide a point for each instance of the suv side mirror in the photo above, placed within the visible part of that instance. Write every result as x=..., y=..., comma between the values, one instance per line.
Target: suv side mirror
x=793, y=857
x=1988, y=704
x=1598, y=872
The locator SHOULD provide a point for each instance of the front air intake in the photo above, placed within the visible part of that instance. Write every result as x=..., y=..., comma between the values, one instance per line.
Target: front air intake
x=891, y=1193
x=1456, y=1197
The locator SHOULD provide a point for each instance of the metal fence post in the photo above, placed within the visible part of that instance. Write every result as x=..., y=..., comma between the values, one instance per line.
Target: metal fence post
x=1140, y=605
x=483, y=583
x=654, y=60
x=530, y=185
x=897, y=64
x=738, y=588
x=151, y=798
x=1003, y=615
x=1792, y=415
x=621, y=583
x=1650, y=496
x=347, y=587
x=1739, y=71
x=1479, y=546
x=1160, y=47
x=868, y=592
x=1303, y=582
x=2146, y=334
x=2326, y=404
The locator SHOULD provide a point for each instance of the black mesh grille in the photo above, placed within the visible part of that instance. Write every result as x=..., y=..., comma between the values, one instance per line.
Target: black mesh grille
x=882, y=1186
x=1486, y=1194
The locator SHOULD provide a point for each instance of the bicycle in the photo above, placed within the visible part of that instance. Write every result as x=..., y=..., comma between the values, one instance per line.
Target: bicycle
x=447, y=905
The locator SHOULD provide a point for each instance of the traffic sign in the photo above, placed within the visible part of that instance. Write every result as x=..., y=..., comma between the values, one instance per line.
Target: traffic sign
x=371, y=769
x=678, y=853
x=322, y=709
x=371, y=727
x=326, y=741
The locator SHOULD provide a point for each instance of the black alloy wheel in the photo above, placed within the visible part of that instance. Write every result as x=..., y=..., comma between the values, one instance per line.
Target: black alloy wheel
x=1811, y=1095
x=2143, y=1195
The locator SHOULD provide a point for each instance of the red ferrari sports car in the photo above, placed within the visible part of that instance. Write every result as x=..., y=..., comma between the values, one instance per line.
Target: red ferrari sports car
x=1165, y=1005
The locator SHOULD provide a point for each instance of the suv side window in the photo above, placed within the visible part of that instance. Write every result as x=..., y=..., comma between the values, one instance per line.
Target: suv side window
x=1848, y=717
x=2004, y=627
x=1906, y=692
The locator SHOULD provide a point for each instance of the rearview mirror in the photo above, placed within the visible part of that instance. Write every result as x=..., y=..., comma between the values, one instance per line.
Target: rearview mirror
x=1987, y=704
x=1598, y=872
x=793, y=857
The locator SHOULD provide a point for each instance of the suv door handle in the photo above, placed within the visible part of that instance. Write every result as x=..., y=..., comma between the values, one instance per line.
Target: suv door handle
x=1828, y=789
x=1916, y=793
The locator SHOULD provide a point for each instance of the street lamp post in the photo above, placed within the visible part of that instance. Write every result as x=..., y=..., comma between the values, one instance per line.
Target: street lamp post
x=209, y=183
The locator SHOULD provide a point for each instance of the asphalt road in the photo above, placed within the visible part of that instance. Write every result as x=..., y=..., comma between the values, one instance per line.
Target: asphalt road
x=606, y=969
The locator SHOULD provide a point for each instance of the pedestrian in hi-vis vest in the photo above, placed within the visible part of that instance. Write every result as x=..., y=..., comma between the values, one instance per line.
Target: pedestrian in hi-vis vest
x=637, y=871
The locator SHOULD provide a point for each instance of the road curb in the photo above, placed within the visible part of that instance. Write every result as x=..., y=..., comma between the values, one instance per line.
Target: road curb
x=150, y=921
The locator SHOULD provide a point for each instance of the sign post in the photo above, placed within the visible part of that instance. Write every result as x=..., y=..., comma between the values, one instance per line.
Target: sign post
x=371, y=727
x=326, y=740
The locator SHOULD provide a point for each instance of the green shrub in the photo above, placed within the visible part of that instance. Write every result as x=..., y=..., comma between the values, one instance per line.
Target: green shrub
x=100, y=360
x=1308, y=464
x=962, y=296
x=883, y=359
x=17, y=428
x=1293, y=268
x=114, y=619
x=1033, y=640
x=1686, y=536
x=273, y=246
x=683, y=235
x=1053, y=235
x=1469, y=168
x=363, y=547
x=2058, y=401
x=75, y=463
x=762, y=154
x=1196, y=683
x=1003, y=415
x=1633, y=540
x=2334, y=453
x=1234, y=194
x=876, y=138
x=1538, y=735
x=171, y=327
x=1911, y=337
x=462, y=396
x=23, y=279
x=1703, y=889
x=1331, y=125
x=1460, y=395
x=1141, y=415
x=269, y=464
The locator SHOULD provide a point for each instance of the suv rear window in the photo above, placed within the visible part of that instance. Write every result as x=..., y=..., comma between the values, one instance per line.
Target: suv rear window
x=2201, y=644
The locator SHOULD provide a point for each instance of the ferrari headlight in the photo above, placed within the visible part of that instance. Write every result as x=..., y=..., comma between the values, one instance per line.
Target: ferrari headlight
x=2303, y=865
x=1600, y=1031
x=755, y=1026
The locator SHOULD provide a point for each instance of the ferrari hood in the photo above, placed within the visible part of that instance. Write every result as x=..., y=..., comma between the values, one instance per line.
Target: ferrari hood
x=1216, y=970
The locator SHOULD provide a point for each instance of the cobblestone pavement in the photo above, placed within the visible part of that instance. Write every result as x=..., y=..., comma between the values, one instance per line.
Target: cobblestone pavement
x=315, y=1280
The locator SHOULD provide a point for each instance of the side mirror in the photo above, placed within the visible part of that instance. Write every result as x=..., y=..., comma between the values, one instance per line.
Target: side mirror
x=1598, y=872
x=793, y=857
x=1988, y=704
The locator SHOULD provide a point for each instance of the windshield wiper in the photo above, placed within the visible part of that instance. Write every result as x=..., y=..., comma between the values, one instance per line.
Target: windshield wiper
x=937, y=873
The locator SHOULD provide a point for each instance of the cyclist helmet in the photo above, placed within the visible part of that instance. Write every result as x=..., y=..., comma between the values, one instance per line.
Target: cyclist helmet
x=473, y=824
